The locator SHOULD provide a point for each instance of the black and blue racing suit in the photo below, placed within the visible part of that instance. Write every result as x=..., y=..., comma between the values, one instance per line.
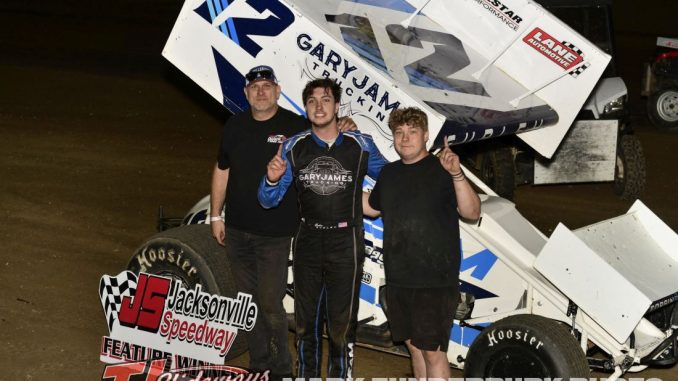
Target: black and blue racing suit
x=329, y=247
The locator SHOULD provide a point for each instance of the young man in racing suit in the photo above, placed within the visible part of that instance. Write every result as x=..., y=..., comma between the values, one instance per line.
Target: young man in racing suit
x=328, y=168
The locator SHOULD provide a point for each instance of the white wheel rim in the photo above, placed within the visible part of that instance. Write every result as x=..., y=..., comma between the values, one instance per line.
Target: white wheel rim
x=667, y=106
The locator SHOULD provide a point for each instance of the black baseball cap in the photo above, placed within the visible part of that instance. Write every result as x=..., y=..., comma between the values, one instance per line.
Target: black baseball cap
x=260, y=73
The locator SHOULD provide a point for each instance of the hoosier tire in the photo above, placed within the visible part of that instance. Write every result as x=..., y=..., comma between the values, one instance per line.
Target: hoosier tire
x=526, y=346
x=190, y=254
x=629, y=171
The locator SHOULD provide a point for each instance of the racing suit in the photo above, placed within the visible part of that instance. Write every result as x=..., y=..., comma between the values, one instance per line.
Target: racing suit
x=328, y=247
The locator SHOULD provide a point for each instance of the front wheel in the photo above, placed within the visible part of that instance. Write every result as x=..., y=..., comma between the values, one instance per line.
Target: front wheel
x=526, y=346
x=190, y=254
x=662, y=107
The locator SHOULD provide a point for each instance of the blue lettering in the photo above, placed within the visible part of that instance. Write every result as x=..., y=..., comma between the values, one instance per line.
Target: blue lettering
x=333, y=59
x=372, y=91
x=383, y=102
x=302, y=42
x=318, y=51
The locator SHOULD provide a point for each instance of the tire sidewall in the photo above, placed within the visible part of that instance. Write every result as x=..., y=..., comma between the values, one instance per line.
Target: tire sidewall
x=172, y=258
x=498, y=171
x=510, y=340
x=514, y=337
x=191, y=255
x=629, y=174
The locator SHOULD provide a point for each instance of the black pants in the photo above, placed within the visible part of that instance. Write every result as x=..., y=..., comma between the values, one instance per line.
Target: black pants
x=259, y=266
x=327, y=272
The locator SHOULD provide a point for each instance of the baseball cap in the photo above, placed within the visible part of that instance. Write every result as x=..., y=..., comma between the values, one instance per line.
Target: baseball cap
x=260, y=73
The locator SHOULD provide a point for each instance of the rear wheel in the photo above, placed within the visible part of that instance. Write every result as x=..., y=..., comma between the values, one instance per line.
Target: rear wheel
x=526, y=346
x=629, y=171
x=497, y=170
x=191, y=255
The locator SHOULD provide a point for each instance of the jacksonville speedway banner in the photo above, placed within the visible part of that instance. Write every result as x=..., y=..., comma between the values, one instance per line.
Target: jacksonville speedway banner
x=151, y=317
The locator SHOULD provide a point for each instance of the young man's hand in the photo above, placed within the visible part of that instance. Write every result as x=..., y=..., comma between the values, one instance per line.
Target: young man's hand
x=276, y=167
x=450, y=160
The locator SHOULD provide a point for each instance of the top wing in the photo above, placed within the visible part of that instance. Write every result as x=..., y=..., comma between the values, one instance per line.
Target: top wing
x=478, y=68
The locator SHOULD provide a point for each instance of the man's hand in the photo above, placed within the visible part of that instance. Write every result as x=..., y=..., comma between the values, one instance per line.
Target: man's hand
x=345, y=123
x=218, y=231
x=276, y=167
x=450, y=160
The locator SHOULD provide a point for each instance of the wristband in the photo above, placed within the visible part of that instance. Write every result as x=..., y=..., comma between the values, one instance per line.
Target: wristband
x=271, y=183
x=215, y=219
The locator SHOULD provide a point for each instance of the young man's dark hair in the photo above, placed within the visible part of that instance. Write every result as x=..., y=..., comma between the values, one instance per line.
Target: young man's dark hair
x=325, y=83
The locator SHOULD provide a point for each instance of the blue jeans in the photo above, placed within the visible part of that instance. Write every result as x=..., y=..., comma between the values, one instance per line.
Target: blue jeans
x=259, y=266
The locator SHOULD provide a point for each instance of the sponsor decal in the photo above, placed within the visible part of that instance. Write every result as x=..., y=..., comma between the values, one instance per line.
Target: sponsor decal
x=510, y=18
x=325, y=176
x=151, y=316
x=367, y=278
x=276, y=139
x=499, y=335
x=162, y=255
x=561, y=53
x=374, y=253
x=323, y=61
x=663, y=302
x=155, y=370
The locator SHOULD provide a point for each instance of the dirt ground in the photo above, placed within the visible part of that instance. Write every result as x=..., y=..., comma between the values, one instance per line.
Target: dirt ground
x=91, y=143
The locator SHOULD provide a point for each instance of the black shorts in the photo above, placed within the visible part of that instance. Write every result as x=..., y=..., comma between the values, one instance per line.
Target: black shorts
x=422, y=315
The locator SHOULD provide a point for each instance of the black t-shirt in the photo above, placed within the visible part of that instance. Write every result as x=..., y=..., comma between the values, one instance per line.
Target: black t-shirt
x=421, y=225
x=247, y=145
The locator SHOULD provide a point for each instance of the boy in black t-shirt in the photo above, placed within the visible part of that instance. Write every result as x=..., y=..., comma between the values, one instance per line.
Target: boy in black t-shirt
x=421, y=198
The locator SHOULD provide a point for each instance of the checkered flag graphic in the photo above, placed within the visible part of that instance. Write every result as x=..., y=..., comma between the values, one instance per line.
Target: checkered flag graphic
x=112, y=290
x=575, y=73
x=573, y=47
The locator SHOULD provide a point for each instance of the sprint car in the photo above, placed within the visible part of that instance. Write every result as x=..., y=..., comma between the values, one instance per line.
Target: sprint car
x=598, y=297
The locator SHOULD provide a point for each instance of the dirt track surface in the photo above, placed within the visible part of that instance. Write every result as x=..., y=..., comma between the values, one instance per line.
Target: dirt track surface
x=87, y=154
